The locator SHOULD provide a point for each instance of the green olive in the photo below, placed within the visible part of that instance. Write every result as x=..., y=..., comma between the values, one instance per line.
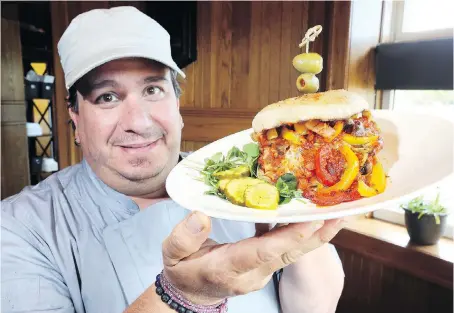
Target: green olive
x=308, y=63
x=307, y=83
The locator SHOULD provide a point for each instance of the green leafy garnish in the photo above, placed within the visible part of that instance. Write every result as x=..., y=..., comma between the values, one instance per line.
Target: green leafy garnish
x=287, y=186
x=418, y=205
x=233, y=159
x=252, y=154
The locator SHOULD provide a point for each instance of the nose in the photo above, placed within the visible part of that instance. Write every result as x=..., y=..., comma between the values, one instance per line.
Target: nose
x=135, y=116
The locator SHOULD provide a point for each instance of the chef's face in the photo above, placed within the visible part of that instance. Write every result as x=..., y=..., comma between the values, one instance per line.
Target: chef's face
x=129, y=125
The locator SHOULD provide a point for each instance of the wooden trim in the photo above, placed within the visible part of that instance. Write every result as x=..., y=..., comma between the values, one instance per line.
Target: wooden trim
x=13, y=112
x=215, y=112
x=63, y=133
x=209, y=125
x=365, y=31
x=419, y=264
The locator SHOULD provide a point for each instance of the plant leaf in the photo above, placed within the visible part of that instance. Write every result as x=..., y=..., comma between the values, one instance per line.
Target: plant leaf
x=251, y=149
x=437, y=219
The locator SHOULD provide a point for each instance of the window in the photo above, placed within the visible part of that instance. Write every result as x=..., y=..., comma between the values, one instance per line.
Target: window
x=416, y=20
x=405, y=24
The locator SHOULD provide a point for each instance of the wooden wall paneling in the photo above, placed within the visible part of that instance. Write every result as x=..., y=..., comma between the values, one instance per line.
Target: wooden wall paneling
x=300, y=25
x=370, y=286
x=221, y=53
x=318, y=16
x=207, y=125
x=12, y=72
x=14, y=142
x=15, y=161
x=338, y=45
x=253, y=85
x=245, y=53
x=190, y=146
x=241, y=29
x=203, y=62
x=285, y=56
x=274, y=22
x=287, y=46
x=265, y=47
x=64, y=134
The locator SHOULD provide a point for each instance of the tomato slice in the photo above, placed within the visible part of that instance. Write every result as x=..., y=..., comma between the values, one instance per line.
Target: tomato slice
x=334, y=197
x=329, y=165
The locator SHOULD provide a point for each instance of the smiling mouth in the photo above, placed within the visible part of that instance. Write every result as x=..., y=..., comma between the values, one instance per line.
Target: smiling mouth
x=139, y=147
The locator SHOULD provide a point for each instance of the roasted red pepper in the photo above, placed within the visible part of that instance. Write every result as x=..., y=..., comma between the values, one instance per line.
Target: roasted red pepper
x=334, y=197
x=329, y=165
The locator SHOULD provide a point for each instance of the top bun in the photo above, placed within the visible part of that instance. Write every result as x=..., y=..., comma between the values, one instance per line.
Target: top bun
x=326, y=106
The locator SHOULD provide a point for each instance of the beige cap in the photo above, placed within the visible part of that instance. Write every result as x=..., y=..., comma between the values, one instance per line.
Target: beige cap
x=102, y=35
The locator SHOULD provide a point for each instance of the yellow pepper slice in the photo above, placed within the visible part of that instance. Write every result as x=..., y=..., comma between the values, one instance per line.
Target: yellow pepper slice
x=350, y=173
x=300, y=128
x=377, y=181
x=271, y=134
x=366, y=191
x=378, y=177
x=367, y=114
x=290, y=136
x=353, y=140
x=338, y=127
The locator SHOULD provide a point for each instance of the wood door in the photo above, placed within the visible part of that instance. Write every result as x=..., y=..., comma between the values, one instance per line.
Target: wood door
x=15, y=161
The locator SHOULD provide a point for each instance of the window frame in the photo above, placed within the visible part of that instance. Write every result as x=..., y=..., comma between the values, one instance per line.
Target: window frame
x=391, y=32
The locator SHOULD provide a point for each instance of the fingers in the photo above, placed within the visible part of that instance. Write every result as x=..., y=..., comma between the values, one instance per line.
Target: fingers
x=331, y=229
x=186, y=238
x=319, y=238
x=251, y=253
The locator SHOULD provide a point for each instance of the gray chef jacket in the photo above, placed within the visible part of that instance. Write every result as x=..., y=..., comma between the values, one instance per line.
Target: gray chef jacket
x=73, y=244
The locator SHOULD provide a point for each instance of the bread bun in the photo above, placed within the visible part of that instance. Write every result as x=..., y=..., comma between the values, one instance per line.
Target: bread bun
x=325, y=106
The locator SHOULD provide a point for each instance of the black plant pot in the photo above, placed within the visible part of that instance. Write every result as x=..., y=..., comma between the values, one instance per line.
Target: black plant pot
x=425, y=230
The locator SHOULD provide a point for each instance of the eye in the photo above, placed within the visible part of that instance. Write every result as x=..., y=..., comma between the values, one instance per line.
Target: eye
x=106, y=98
x=154, y=93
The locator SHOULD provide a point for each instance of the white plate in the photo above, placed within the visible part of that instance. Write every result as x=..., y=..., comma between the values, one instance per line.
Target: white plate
x=417, y=154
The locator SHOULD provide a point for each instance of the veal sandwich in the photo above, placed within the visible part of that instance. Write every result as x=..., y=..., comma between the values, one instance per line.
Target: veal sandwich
x=327, y=140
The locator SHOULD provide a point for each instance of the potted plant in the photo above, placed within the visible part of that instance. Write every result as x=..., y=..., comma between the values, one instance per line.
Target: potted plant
x=425, y=220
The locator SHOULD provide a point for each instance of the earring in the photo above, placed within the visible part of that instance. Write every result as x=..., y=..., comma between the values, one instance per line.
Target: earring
x=77, y=143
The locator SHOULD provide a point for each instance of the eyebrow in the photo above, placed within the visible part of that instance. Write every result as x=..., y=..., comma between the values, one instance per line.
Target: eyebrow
x=154, y=79
x=102, y=84
x=87, y=89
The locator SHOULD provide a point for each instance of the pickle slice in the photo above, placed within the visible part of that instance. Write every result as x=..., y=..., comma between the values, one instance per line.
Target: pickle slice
x=222, y=184
x=234, y=191
x=237, y=172
x=262, y=196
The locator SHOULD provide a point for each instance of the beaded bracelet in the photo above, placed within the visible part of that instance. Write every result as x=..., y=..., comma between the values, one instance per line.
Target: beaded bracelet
x=174, y=298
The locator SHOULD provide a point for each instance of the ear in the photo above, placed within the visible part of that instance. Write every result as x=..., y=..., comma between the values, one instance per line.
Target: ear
x=181, y=117
x=75, y=119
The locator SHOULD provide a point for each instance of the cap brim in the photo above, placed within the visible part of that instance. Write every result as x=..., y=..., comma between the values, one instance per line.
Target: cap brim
x=116, y=56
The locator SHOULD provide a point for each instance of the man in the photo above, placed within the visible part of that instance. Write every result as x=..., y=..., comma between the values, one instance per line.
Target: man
x=94, y=236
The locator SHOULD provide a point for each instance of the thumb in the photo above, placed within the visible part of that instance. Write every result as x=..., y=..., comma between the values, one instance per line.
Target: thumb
x=186, y=238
